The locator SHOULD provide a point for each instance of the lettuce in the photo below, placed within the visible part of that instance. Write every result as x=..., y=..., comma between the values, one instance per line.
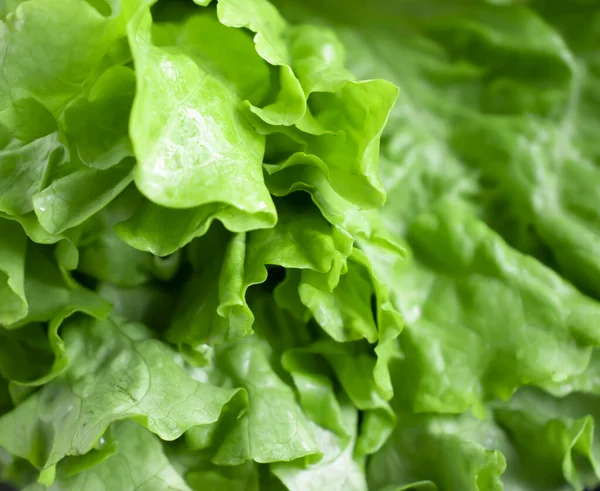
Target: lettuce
x=282, y=245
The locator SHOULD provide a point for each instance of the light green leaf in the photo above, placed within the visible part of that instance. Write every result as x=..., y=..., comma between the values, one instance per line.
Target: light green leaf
x=355, y=117
x=50, y=293
x=274, y=428
x=162, y=231
x=192, y=148
x=450, y=452
x=357, y=307
x=69, y=201
x=12, y=272
x=138, y=463
x=261, y=17
x=317, y=394
x=338, y=470
x=468, y=349
x=318, y=59
x=213, y=306
x=24, y=170
x=213, y=45
x=49, y=68
x=97, y=124
x=355, y=368
x=555, y=440
x=340, y=166
x=546, y=187
x=115, y=372
x=345, y=314
x=303, y=172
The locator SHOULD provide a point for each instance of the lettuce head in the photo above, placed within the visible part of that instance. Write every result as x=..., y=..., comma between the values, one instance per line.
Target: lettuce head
x=270, y=245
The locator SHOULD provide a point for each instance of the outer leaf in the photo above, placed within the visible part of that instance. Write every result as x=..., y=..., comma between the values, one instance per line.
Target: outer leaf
x=555, y=439
x=274, y=428
x=338, y=469
x=69, y=201
x=116, y=372
x=529, y=160
x=467, y=349
x=139, y=463
x=192, y=145
x=23, y=171
x=51, y=68
x=448, y=451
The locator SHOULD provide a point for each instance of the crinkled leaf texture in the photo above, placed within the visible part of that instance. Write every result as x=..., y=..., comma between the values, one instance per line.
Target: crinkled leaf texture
x=115, y=372
x=138, y=463
x=199, y=292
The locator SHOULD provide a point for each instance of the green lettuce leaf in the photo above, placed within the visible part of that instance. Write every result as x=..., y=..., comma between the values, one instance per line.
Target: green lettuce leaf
x=290, y=436
x=122, y=470
x=402, y=289
x=97, y=124
x=213, y=307
x=24, y=169
x=115, y=372
x=436, y=452
x=12, y=272
x=337, y=470
x=33, y=69
x=542, y=328
x=70, y=200
x=184, y=139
